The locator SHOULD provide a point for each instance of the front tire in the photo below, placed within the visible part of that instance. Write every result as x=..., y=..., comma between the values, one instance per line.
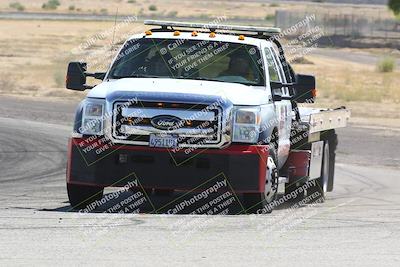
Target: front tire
x=256, y=202
x=82, y=195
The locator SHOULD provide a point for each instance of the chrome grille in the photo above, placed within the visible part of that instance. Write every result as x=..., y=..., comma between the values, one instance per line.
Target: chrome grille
x=199, y=125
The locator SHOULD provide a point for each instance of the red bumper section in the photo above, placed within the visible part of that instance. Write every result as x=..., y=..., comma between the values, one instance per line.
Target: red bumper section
x=93, y=161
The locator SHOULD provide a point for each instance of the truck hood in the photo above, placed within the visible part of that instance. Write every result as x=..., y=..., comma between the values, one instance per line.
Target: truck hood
x=238, y=94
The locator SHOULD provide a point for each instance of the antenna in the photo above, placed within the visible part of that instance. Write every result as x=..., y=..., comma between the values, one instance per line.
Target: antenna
x=112, y=42
x=115, y=25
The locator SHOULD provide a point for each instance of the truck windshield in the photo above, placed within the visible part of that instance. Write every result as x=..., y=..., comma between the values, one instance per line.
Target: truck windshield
x=189, y=59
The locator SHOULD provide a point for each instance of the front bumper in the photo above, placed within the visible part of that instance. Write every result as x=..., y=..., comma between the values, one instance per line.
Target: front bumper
x=97, y=163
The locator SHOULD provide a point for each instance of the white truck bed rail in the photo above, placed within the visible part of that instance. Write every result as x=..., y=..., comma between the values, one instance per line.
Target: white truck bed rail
x=324, y=119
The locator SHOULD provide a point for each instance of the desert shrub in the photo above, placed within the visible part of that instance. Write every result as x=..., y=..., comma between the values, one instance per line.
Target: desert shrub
x=270, y=17
x=51, y=4
x=394, y=5
x=386, y=64
x=71, y=8
x=17, y=5
x=172, y=14
x=153, y=8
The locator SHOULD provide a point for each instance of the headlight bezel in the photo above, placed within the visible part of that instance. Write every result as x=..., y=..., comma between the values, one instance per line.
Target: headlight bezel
x=246, y=131
x=92, y=123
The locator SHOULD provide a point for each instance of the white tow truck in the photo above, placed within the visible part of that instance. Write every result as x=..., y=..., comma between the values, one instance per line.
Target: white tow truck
x=184, y=102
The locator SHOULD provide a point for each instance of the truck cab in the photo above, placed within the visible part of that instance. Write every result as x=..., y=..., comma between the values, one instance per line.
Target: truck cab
x=185, y=102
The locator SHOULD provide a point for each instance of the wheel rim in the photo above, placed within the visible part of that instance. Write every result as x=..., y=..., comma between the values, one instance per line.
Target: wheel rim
x=271, y=186
x=325, y=168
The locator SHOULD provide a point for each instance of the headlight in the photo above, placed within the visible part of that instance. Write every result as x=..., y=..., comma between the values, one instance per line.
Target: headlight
x=245, y=116
x=246, y=125
x=94, y=109
x=92, y=117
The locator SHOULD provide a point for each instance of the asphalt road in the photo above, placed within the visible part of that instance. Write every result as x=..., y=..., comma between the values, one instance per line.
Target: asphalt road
x=358, y=225
x=350, y=56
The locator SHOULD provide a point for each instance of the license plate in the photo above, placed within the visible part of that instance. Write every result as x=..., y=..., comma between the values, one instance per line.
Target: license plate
x=168, y=141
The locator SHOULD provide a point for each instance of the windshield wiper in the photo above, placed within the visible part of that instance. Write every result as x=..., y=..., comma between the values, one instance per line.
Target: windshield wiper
x=212, y=80
x=196, y=78
x=134, y=76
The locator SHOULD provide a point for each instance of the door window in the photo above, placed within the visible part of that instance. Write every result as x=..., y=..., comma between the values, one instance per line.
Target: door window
x=273, y=69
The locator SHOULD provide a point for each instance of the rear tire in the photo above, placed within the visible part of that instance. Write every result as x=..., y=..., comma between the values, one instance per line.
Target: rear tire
x=82, y=195
x=256, y=202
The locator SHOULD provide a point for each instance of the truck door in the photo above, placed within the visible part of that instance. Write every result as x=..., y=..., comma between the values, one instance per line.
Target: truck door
x=283, y=108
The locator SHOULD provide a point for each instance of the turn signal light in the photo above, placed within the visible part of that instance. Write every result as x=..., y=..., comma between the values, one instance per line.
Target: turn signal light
x=241, y=37
x=148, y=32
x=194, y=33
x=314, y=92
x=212, y=34
x=177, y=33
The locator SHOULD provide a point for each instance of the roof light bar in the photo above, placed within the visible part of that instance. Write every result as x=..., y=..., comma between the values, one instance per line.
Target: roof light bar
x=213, y=27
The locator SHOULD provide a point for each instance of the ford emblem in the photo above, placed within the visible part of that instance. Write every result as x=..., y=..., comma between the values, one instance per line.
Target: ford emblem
x=165, y=122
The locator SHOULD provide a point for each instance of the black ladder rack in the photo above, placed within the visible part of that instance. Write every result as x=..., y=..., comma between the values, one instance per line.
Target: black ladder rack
x=214, y=27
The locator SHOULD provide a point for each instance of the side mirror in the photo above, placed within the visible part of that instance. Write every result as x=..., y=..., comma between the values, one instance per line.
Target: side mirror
x=305, y=89
x=76, y=76
x=278, y=85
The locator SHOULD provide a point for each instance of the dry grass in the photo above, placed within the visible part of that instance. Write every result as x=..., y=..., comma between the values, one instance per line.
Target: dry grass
x=346, y=81
x=35, y=56
x=188, y=8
